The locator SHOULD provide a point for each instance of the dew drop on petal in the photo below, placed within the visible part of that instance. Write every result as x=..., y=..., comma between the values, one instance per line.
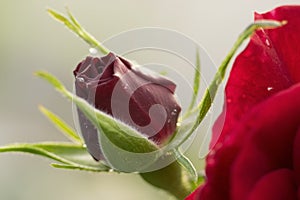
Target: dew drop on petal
x=268, y=42
x=270, y=88
x=174, y=112
x=80, y=79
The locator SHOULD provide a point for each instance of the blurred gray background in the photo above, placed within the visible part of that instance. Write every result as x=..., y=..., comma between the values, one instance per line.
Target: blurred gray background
x=30, y=40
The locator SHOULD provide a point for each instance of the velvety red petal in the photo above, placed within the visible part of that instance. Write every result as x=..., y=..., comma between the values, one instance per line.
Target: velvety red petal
x=108, y=62
x=270, y=131
x=156, y=79
x=296, y=156
x=141, y=102
x=269, y=64
x=218, y=167
x=261, y=142
x=277, y=185
x=142, y=95
x=285, y=40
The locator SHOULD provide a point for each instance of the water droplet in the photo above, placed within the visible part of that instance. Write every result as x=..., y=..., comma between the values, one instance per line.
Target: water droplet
x=270, y=88
x=229, y=100
x=268, y=42
x=93, y=51
x=174, y=112
x=111, y=170
x=126, y=86
x=80, y=79
x=169, y=120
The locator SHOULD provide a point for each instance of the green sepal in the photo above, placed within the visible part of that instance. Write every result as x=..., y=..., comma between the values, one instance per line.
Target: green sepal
x=66, y=154
x=74, y=26
x=196, y=84
x=62, y=126
x=188, y=166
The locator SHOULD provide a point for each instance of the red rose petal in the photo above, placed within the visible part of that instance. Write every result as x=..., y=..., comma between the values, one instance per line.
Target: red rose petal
x=266, y=67
x=296, y=155
x=266, y=139
x=286, y=39
x=277, y=185
x=154, y=78
x=269, y=133
x=262, y=142
x=269, y=64
x=217, y=171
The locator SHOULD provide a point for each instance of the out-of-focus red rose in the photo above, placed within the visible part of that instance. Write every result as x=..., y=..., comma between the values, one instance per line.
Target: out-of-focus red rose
x=114, y=86
x=256, y=140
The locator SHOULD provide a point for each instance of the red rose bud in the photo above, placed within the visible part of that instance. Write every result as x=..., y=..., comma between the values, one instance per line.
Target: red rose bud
x=113, y=85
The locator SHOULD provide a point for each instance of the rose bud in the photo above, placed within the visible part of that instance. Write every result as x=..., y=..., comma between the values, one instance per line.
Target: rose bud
x=113, y=85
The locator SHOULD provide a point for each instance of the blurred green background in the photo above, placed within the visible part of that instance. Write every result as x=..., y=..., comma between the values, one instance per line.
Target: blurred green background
x=30, y=40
